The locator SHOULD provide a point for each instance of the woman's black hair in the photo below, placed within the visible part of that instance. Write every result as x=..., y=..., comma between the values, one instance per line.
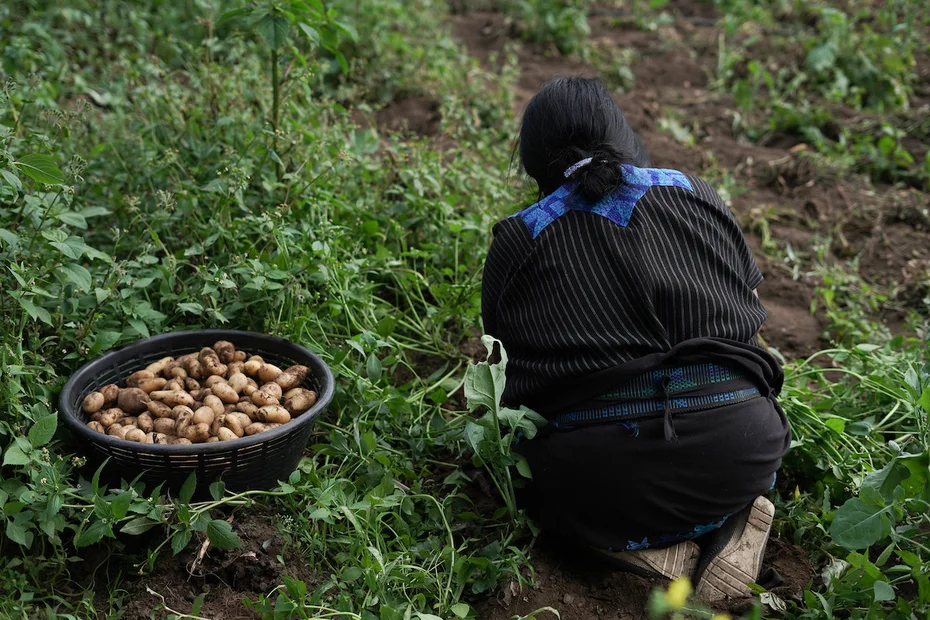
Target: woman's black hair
x=569, y=120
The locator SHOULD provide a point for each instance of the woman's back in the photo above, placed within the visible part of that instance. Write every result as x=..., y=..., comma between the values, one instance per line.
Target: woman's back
x=574, y=288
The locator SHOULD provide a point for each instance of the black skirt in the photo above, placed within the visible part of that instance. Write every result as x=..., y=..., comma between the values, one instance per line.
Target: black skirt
x=624, y=485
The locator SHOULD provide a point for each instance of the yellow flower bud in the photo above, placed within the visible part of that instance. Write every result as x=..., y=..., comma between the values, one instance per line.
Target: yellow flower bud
x=678, y=593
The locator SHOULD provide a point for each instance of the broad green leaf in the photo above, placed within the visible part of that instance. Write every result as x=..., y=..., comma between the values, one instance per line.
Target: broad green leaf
x=9, y=237
x=858, y=526
x=218, y=490
x=120, y=505
x=309, y=32
x=18, y=534
x=925, y=400
x=72, y=247
x=460, y=610
x=221, y=535
x=524, y=468
x=77, y=275
x=837, y=425
x=273, y=29
x=93, y=534
x=12, y=179
x=140, y=327
x=179, y=541
x=374, y=368
x=139, y=525
x=41, y=169
x=883, y=591
x=73, y=219
x=43, y=430
x=35, y=312
x=188, y=488
x=15, y=456
x=886, y=479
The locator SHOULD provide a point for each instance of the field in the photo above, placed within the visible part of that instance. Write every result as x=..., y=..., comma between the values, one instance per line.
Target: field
x=329, y=172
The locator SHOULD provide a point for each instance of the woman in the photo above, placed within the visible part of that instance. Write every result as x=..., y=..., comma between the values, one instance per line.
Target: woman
x=626, y=301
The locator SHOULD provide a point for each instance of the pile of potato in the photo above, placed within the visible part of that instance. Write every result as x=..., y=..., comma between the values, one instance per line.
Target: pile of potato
x=218, y=394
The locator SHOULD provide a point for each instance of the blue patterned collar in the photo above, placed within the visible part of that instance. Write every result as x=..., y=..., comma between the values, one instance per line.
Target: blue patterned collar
x=617, y=207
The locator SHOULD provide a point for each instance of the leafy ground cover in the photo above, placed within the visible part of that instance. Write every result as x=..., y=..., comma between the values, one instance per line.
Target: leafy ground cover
x=329, y=172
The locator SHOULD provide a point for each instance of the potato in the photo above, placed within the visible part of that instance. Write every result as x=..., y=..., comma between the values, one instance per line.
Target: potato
x=118, y=431
x=268, y=372
x=178, y=372
x=251, y=388
x=234, y=367
x=232, y=423
x=204, y=415
x=250, y=409
x=240, y=356
x=300, y=402
x=293, y=392
x=159, y=409
x=110, y=394
x=195, y=369
x=156, y=438
x=243, y=419
x=145, y=422
x=211, y=363
x=151, y=385
x=225, y=434
x=138, y=377
x=225, y=393
x=175, y=385
x=212, y=439
x=110, y=417
x=95, y=417
x=197, y=433
x=191, y=384
x=177, y=412
x=292, y=377
x=179, y=441
x=238, y=382
x=93, y=402
x=267, y=395
x=255, y=428
x=273, y=413
x=183, y=421
x=135, y=434
x=133, y=400
x=251, y=367
x=97, y=427
x=173, y=399
x=165, y=426
x=225, y=350
x=213, y=402
x=156, y=368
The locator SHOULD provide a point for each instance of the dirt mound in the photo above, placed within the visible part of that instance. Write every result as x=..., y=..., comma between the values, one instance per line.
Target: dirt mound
x=224, y=576
x=418, y=115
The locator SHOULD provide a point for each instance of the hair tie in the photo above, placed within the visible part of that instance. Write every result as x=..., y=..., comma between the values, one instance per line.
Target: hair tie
x=578, y=166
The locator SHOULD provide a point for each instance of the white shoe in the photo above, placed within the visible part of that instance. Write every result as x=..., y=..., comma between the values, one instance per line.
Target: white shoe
x=729, y=571
x=671, y=562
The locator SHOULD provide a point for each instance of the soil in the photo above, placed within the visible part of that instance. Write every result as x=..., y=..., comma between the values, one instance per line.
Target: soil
x=223, y=576
x=581, y=588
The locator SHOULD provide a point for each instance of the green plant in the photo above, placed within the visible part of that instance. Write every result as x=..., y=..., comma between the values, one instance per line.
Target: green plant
x=563, y=23
x=493, y=449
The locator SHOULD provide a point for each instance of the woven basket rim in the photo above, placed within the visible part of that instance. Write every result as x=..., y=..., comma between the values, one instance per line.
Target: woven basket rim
x=75, y=422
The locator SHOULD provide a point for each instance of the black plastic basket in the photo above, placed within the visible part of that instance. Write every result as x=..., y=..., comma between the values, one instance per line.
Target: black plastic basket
x=253, y=462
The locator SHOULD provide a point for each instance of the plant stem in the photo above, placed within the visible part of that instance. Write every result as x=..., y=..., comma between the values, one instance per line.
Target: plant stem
x=276, y=108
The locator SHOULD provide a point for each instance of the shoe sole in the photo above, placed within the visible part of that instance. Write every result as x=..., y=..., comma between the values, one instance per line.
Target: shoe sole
x=723, y=578
x=671, y=562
